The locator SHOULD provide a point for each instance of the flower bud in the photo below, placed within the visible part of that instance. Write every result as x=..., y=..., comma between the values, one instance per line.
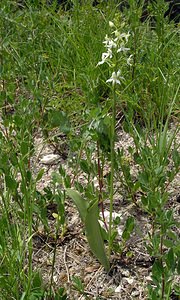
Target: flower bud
x=111, y=24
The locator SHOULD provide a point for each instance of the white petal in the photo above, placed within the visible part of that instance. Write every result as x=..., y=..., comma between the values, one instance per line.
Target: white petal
x=118, y=73
x=117, y=81
x=109, y=80
x=122, y=49
x=125, y=35
x=100, y=62
x=129, y=60
x=111, y=44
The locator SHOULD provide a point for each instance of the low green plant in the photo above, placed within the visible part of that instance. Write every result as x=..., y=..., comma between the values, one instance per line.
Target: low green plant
x=79, y=286
x=152, y=153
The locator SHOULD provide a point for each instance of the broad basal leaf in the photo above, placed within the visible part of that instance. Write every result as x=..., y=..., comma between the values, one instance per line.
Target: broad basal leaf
x=80, y=203
x=93, y=233
x=90, y=216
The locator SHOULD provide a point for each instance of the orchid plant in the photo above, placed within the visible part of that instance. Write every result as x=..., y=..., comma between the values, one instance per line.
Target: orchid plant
x=116, y=53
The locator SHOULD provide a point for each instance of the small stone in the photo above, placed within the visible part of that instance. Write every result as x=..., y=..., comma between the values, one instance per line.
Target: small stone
x=50, y=159
x=129, y=280
x=118, y=289
x=125, y=273
x=135, y=293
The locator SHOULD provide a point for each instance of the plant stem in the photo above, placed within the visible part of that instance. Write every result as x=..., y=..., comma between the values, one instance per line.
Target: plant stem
x=163, y=279
x=28, y=217
x=112, y=167
x=100, y=179
x=77, y=164
x=54, y=259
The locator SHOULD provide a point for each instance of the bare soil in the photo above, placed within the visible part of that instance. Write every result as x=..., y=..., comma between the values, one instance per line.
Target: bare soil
x=130, y=272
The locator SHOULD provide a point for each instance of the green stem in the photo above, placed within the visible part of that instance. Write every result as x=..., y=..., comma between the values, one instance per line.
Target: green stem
x=112, y=167
x=54, y=260
x=163, y=279
x=27, y=216
x=100, y=179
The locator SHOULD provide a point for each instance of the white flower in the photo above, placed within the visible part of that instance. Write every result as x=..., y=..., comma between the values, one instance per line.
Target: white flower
x=125, y=36
x=115, y=78
x=117, y=34
x=109, y=52
x=129, y=60
x=105, y=56
x=123, y=49
x=107, y=39
x=109, y=43
x=121, y=36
